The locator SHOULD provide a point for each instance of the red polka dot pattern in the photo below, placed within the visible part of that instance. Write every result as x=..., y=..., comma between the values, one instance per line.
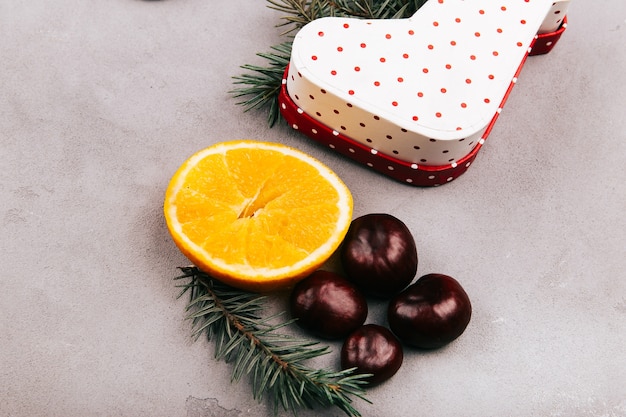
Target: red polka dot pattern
x=424, y=90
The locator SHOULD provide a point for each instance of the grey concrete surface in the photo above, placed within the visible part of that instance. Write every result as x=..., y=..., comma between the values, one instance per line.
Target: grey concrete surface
x=100, y=102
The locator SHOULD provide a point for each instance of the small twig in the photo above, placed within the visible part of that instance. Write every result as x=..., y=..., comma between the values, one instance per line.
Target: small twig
x=255, y=347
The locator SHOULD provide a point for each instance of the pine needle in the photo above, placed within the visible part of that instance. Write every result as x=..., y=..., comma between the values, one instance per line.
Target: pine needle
x=260, y=85
x=275, y=362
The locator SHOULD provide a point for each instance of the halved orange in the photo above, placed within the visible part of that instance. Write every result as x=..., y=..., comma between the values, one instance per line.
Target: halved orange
x=257, y=215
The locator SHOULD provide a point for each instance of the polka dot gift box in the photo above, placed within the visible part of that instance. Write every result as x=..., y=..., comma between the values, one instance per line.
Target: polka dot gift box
x=414, y=98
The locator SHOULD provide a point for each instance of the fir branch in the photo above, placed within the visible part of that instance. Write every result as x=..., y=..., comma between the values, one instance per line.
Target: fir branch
x=377, y=9
x=261, y=85
x=254, y=345
x=301, y=12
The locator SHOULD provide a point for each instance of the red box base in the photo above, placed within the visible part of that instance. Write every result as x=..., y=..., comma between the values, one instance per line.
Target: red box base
x=410, y=173
x=545, y=42
x=400, y=170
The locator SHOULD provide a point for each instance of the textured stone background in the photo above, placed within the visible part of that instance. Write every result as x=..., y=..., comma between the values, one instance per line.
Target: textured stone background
x=100, y=102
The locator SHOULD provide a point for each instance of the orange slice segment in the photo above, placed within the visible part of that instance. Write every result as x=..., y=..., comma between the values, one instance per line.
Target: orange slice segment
x=257, y=215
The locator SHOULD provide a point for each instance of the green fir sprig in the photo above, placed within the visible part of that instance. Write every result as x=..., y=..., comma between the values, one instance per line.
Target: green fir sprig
x=275, y=361
x=260, y=86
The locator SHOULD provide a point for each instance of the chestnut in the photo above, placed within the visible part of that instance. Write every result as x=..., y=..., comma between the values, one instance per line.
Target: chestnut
x=430, y=313
x=372, y=349
x=379, y=254
x=328, y=305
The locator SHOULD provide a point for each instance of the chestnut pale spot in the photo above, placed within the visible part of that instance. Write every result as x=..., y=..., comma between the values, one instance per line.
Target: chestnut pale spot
x=388, y=36
x=411, y=32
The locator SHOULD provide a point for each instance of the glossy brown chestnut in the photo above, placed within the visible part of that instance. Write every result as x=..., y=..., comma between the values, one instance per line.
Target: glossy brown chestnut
x=379, y=254
x=372, y=349
x=430, y=313
x=328, y=305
